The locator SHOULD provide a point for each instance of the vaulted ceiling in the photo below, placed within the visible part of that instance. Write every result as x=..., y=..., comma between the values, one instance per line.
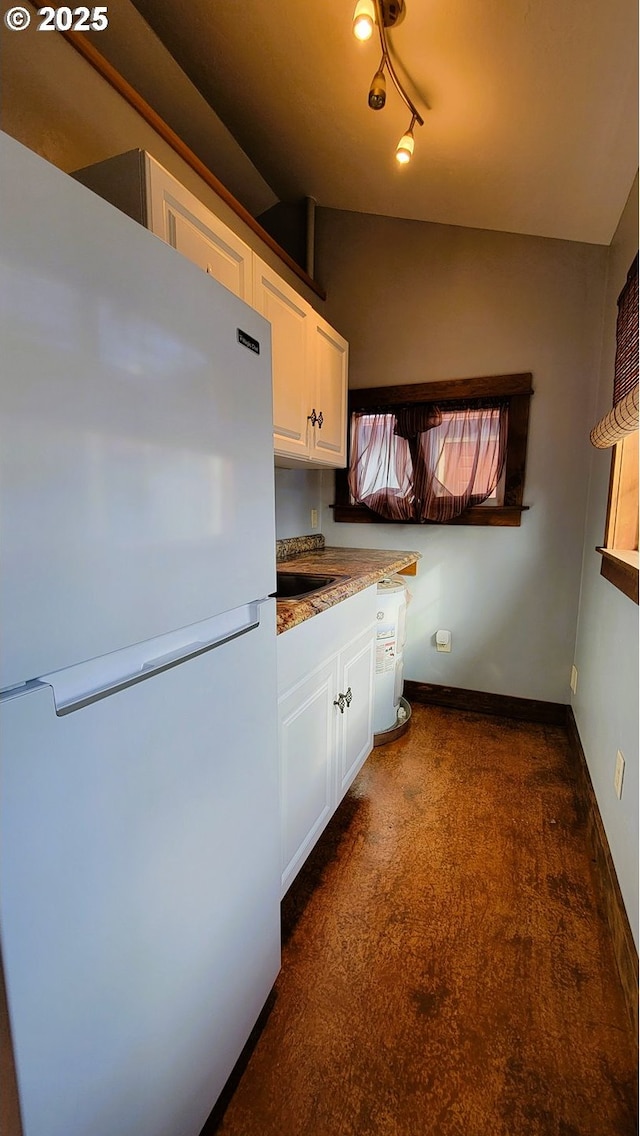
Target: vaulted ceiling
x=532, y=119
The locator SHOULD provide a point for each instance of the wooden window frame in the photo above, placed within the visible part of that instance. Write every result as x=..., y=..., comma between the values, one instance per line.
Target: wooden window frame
x=619, y=563
x=516, y=389
x=620, y=548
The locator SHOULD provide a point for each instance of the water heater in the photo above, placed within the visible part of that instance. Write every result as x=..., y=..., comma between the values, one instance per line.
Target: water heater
x=390, y=639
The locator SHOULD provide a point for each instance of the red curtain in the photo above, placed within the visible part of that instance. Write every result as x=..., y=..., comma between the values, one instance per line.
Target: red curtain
x=427, y=463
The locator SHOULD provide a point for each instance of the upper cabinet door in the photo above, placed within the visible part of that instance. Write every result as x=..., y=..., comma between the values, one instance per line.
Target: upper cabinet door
x=330, y=356
x=289, y=316
x=181, y=220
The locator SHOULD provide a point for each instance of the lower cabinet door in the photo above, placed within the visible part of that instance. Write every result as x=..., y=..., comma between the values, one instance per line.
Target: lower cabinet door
x=307, y=730
x=356, y=736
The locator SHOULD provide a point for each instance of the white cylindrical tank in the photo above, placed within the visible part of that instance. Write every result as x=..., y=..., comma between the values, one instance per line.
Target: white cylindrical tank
x=391, y=615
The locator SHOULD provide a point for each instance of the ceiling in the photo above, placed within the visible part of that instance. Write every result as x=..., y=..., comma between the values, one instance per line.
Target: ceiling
x=532, y=119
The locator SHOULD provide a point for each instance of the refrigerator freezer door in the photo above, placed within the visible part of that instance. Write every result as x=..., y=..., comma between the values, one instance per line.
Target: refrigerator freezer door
x=136, y=452
x=139, y=891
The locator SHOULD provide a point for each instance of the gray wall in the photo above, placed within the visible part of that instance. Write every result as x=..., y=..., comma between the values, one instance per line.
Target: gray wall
x=421, y=302
x=606, y=702
x=55, y=103
x=298, y=491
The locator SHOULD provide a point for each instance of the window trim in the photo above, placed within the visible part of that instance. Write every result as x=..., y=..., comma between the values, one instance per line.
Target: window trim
x=619, y=564
x=517, y=389
x=619, y=549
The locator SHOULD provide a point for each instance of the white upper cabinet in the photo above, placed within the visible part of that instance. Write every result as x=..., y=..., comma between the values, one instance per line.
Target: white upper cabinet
x=289, y=316
x=310, y=371
x=184, y=223
x=143, y=189
x=330, y=360
x=310, y=358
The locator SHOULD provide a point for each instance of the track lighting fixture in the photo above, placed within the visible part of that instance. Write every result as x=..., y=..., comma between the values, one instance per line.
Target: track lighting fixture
x=386, y=14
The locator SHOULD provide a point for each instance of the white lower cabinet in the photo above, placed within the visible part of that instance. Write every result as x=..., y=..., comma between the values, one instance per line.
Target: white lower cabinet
x=356, y=678
x=307, y=727
x=325, y=719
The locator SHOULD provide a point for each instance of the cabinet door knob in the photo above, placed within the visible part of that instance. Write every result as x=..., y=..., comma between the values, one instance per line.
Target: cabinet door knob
x=320, y=420
x=343, y=700
x=313, y=417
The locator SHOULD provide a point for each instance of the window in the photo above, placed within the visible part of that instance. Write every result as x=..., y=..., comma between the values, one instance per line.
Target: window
x=450, y=452
x=468, y=448
x=619, y=429
x=620, y=549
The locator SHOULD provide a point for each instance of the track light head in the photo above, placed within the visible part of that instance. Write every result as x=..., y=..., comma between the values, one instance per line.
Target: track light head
x=378, y=91
x=404, y=149
x=364, y=19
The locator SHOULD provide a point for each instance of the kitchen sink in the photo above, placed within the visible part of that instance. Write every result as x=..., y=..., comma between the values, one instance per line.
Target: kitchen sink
x=295, y=585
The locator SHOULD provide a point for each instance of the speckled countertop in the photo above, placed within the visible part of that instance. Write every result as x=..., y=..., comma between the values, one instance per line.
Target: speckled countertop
x=357, y=568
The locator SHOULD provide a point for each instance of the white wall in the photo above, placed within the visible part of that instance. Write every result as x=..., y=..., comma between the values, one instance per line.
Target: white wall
x=421, y=302
x=606, y=702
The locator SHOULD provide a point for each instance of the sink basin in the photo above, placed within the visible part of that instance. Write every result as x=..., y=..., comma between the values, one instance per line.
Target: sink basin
x=295, y=585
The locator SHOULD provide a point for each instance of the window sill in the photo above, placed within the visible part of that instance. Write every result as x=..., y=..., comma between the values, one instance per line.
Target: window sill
x=620, y=568
x=503, y=516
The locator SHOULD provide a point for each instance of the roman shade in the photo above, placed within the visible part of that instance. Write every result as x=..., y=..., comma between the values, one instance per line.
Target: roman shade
x=623, y=418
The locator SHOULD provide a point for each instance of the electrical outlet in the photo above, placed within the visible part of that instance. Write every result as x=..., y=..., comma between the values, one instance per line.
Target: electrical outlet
x=619, y=774
x=573, y=682
x=443, y=641
x=314, y=518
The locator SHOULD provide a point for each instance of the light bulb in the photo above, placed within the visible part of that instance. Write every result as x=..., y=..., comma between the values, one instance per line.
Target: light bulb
x=364, y=19
x=404, y=150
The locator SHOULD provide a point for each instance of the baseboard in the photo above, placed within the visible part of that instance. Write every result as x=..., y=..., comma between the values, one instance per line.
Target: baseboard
x=456, y=698
x=605, y=876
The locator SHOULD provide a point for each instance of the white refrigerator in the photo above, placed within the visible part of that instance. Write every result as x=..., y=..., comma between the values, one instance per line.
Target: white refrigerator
x=139, y=872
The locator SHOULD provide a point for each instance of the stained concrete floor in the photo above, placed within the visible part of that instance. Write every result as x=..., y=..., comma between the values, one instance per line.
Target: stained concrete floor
x=446, y=968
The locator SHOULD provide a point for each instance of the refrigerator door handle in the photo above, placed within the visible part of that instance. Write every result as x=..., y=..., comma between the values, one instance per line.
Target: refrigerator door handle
x=148, y=669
